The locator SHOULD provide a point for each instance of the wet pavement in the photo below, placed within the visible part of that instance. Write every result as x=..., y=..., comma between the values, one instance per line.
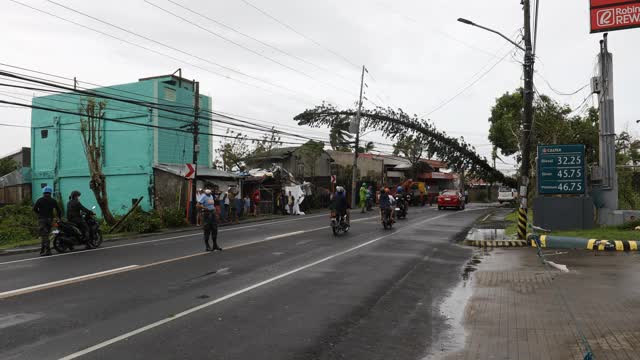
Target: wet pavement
x=508, y=305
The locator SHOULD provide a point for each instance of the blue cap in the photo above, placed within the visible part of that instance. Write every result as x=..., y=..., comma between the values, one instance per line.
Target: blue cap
x=47, y=189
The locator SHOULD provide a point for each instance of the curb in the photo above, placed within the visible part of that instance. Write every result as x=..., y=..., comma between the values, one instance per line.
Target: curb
x=496, y=243
x=190, y=228
x=561, y=242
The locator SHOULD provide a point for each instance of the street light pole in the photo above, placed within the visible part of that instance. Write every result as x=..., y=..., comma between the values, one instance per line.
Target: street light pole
x=354, y=169
x=527, y=116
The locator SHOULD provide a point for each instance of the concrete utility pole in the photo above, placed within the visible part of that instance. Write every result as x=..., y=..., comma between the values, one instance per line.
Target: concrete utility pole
x=527, y=122
x=354, y=174
x=607, y=153
x=196, y=148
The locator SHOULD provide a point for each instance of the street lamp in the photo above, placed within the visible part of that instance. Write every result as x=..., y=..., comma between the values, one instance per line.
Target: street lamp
x=469, y=22
x=527, y=118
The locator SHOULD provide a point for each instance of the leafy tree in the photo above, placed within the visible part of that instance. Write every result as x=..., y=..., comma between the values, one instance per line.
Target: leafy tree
x=269, y=141
x=395, y=123
x=411, y=147
x=233, y=151
x=7, y=165
x=309, y=153
x=627, y=149
x=339, y=136
x=368, y=147
x=91, y=125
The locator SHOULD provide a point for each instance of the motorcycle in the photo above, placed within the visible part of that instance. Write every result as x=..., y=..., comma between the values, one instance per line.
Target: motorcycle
x=401, y=207
x=387, y=219
x=66, y=235
x=339, y=225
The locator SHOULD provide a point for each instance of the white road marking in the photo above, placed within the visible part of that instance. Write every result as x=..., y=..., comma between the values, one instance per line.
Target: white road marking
x=156, y=240
x=285, y=235
x=234, y=294
x=57, y=283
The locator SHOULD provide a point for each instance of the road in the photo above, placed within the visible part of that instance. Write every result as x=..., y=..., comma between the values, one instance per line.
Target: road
x=284, y=289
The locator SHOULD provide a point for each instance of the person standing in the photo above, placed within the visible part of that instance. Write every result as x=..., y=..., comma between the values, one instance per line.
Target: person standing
x=283, y=202
x=291, y=200
x=466, y=196
x=246, y=201
x=363, y=197
x=233, y=204
x=207, y=206
x=256, y=201
x=199, y=194
x=224, y=209
x=44, y=207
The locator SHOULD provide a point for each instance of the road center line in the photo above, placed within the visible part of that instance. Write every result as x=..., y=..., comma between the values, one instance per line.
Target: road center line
x=16, y=292
x=236, y=293
x=285, y=235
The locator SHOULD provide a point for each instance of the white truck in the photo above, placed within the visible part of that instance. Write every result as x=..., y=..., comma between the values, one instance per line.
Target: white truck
x=506, y=194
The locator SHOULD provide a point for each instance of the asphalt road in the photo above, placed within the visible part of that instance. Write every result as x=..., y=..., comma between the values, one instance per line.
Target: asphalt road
x=285, y=289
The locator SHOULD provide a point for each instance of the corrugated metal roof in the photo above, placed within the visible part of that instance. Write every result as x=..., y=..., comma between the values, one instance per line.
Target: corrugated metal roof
x=16, y=177
x=203, y=171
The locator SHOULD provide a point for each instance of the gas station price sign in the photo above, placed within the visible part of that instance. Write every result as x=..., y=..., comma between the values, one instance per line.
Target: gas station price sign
x=561, y=169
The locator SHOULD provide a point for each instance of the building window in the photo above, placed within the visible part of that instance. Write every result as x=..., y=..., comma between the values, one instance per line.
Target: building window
x=44, y=134
x=169, y=94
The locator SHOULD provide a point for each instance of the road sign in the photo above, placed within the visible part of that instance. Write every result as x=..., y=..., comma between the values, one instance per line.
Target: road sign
x=189, y=171
x=333, y=179
x=610, y=15
x=561, y=169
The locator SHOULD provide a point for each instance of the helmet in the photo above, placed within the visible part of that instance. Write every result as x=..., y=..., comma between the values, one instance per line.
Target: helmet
x=339, y=189
x=47, y=190
x=75, y=193
x=364, y=184
x=399, y=189
x=208, y=191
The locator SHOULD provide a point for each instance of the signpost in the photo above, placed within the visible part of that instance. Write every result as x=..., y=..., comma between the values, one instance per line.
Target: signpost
x=561, y=169
x=610, y=15
x=189, y=171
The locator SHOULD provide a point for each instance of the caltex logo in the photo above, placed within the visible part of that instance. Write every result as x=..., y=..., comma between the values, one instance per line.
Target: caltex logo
x=605, y=17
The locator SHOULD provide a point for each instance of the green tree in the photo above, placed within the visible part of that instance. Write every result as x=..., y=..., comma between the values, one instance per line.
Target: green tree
x=309, y=153
x=367, y=147
x=268, y=142
x=233, y=151
x=339, y=136
x=7, y=165
x=91, y=129
x=411, y=147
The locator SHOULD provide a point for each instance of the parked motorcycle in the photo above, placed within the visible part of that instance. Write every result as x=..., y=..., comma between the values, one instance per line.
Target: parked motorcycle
x=66, y=235
x=339, y=225
x=387, y=219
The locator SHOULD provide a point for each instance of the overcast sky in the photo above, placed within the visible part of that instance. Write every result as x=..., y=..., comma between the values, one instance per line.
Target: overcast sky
x=419, y=57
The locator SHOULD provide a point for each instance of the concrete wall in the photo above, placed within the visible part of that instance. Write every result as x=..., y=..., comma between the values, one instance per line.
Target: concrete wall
x=170, y=190
x=367, y=167
x=563, y=213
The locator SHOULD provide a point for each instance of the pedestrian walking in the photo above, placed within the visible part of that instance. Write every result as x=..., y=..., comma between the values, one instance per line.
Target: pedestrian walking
x=291, y=200
x=210, y=228
x=45, y=207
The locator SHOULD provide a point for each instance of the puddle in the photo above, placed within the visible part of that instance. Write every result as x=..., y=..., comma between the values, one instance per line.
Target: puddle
x=453, y=338
x=486, y=234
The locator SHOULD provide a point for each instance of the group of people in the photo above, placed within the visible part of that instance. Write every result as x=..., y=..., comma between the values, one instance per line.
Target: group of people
x=229, y=206
x=47, y=210
x=386, y=200
x=286, y=202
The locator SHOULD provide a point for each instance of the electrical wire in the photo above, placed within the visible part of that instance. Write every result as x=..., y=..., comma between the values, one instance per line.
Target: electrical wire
x=559, y=92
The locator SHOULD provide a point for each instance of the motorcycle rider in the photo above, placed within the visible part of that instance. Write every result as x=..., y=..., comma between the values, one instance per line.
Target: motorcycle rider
x=400, y=197
x=385, y=202
x=341, y=206
x=75, y=210
x=44, y=208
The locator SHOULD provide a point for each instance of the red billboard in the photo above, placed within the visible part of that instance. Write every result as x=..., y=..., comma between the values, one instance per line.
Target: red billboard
x=609, y=15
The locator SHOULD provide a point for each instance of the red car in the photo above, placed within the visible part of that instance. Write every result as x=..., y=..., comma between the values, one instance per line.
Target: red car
x=451, y=199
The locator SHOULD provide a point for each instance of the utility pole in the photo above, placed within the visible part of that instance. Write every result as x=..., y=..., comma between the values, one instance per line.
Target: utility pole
x=196, y=148
x=527, y=122
x=607, y=153
x=354, y=170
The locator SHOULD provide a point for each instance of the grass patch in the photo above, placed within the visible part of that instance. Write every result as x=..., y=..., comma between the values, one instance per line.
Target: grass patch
x=602, y=233
x=20, y=243
x=512, y=219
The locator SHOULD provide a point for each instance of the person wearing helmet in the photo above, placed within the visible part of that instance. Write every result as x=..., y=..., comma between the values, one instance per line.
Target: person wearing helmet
x=399, y=190
x=44, y=207
x=340, y=203
x=385, y=203
x=363, y=197
x=206, y=204
x=75, y=210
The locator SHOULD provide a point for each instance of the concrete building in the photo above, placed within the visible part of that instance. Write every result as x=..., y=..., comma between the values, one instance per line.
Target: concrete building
x=15, y=187
x=291, y=159
x=130, y=151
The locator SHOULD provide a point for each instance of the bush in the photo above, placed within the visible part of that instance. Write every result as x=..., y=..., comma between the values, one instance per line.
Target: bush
x=17, y=223
x=173, y=217
x=139, y=221
x=629, y=225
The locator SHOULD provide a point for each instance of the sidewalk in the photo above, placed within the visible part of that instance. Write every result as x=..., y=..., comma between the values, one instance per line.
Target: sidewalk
x=134, y=236
x=516, y=312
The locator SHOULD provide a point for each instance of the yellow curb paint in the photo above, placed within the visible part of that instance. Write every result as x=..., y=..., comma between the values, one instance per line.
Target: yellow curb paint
x=602, y=244
x=633, y=245
x=590, y=244
x=619, y=245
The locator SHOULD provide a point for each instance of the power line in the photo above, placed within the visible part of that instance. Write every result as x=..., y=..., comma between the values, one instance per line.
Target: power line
x=559, y=92
x=301, y=34
x=167, y=55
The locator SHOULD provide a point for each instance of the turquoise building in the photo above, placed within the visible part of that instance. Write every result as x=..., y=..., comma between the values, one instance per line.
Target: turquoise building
x=130, y=152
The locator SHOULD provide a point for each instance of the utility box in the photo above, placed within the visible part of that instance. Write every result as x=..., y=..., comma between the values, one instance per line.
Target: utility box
x=563, y=213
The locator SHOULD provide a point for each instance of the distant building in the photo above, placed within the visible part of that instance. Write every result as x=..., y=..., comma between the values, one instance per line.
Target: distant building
x=292, y=160
x=130, y=152
x=15, y=187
